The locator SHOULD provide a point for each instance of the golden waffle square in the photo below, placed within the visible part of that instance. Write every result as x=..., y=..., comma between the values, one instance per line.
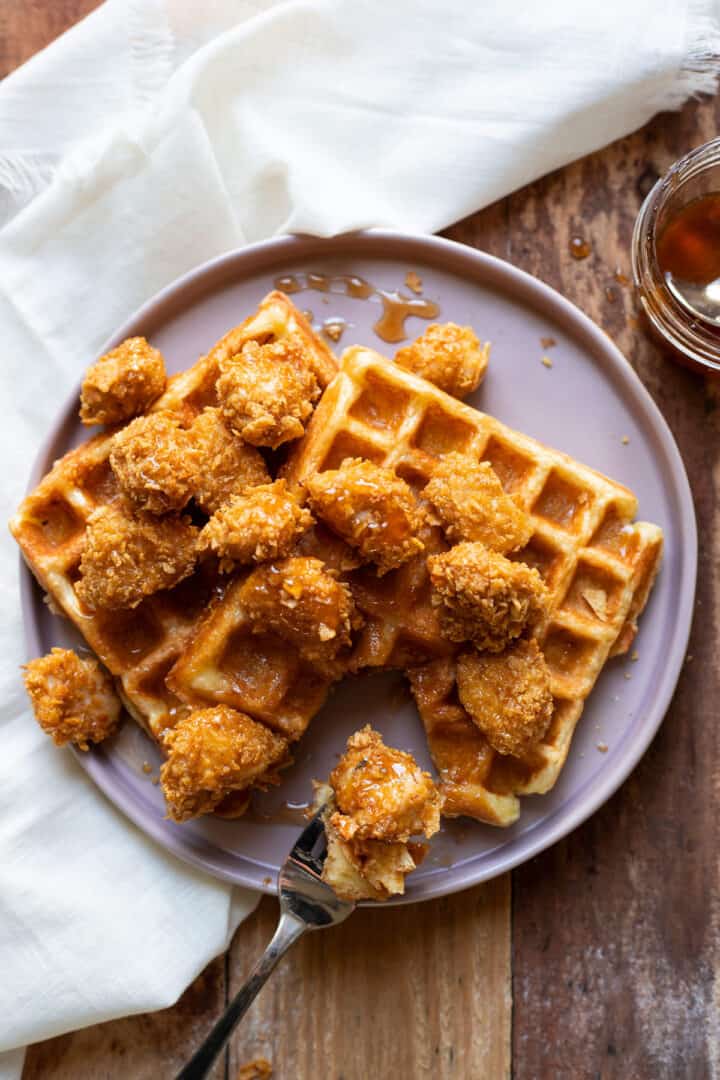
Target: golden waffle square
x=226, y=663
x=139, y=646
x=258, y=674
x=597, y=564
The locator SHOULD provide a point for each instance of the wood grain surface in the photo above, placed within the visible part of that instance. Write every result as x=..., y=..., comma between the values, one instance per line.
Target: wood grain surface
x=604, y=961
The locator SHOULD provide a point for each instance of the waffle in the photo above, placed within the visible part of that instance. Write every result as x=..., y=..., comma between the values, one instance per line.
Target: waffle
x=597, y=564
x=257, y=674
x=226, y=663
x=140, y=646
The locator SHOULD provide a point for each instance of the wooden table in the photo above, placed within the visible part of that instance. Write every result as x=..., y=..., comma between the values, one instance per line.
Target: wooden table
x=600, y=957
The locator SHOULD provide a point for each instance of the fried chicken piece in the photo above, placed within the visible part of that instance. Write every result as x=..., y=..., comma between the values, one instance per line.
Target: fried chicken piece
x=377, y=797
x=225, y=464
x=372, y=870
x=128, y=556
x=263, y=522
x=470, y=504
x=300, y=600
x=449, y=356
x=155, y=463
x=72, y=697
x=122, y=383
x=371, y=508
x=267, y=392
x=483, y=597
x=212, y=752
x=382, y=793
x=507, y=695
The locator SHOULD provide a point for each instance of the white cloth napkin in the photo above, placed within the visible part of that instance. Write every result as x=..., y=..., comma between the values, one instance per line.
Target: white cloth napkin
x=159, y=133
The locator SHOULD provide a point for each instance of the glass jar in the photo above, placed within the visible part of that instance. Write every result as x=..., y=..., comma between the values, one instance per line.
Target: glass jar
x=693, y=337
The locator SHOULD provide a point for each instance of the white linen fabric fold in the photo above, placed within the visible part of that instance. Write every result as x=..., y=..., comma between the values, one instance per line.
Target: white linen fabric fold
x=154, y=135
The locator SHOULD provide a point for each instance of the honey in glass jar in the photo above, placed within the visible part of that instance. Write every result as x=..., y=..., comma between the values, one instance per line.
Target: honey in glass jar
x=676, y=258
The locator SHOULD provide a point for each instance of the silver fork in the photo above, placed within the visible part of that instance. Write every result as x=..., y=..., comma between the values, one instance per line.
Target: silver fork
x=306, y=903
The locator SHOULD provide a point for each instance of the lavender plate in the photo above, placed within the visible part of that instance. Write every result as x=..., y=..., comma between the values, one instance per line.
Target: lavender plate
x=589, y=403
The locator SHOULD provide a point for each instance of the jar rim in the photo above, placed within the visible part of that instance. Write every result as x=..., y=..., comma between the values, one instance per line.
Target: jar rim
x=691, y=338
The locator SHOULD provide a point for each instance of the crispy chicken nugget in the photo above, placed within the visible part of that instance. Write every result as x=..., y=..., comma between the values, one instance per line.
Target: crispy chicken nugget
x=263, y=522
x=371, y=508
x=212, y=752
x=300, y=600
x=73, y=698
x=470, y=504
x=226, y=465
x=122, y=383
x=267, y=392
x=368, y=869
x=128, y=556
x=449, y=356
x=483, y=597
x=507, y=695
x=382, y=793
x=155, y=463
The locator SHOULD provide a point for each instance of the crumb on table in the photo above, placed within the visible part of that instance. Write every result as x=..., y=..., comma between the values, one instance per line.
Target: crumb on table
x=257, y=1069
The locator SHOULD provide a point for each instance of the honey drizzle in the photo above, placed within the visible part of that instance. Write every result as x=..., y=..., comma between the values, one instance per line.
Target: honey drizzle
x=579, y=247
x=286, y=814
x=396, y=307
x=687, y=247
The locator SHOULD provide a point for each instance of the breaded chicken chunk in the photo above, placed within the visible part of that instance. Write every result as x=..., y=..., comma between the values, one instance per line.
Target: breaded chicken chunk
x=262, y=523
x=128, y=556
x=267, y=392
x=371, y=508
x=301, y=601
x=72, y=697
x=155, y=463
x=507, y=695
x=225, y=464
x=369, y=869
x=382, y=793
x=376, y=799
x=483, y=597
x=469, y=502
x=122, y=383
x=212, y=752
x=449, y=356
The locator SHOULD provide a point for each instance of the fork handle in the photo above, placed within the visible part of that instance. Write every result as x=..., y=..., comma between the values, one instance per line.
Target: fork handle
x=289, y=929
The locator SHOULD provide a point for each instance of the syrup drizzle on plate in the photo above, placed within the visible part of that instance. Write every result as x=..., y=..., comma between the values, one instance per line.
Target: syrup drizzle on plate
x=396, y=306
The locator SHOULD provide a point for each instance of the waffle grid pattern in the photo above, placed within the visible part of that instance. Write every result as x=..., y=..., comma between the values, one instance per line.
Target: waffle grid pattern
x=257, y=674
x=140, y=646
x=598, y=564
